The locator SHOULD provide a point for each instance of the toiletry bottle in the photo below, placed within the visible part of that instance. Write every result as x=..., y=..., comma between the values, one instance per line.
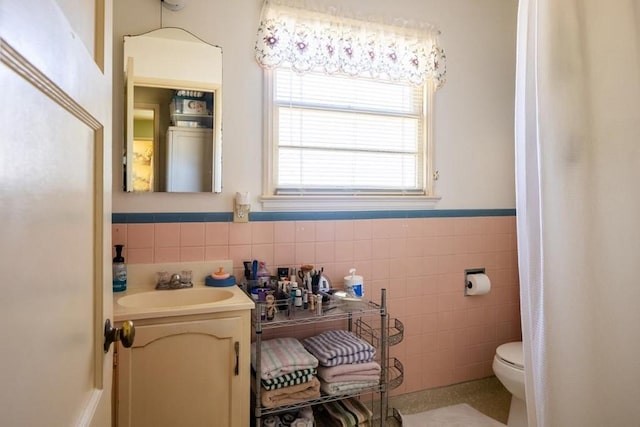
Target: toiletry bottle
x=292, y=295
x=292, y=278
x=262, y=275
x=312, y=303
x=119, y=271
x=298, y=298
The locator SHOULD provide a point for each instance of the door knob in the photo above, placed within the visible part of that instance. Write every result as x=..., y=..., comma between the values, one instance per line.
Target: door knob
x=126, y=334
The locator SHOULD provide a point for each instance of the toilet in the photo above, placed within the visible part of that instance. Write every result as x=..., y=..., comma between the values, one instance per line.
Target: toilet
x=508, y=365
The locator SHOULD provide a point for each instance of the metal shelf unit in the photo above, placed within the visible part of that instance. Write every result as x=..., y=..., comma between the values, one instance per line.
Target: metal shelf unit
x=355, y=313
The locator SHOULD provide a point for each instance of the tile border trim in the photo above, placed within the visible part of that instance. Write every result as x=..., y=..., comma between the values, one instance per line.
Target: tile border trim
x=170, y=217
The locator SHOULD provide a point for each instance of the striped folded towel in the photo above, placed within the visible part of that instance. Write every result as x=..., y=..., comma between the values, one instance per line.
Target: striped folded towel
x=344, y=387
x=281, y=356
x=338, y=347
x=346, y=413
x=293, y=378
x=350, y=372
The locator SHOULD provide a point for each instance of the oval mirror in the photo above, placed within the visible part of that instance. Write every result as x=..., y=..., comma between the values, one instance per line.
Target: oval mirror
x=173, y=120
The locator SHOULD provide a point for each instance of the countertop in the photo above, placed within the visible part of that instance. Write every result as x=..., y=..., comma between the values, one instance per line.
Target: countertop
x=239, y=301
x=142, y=278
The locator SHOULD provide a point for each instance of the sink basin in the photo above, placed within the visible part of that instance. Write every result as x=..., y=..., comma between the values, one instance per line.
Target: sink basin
x=175, y=298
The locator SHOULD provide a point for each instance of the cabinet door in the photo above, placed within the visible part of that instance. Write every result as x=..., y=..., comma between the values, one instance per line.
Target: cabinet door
x=184, y=374
x=189, y=159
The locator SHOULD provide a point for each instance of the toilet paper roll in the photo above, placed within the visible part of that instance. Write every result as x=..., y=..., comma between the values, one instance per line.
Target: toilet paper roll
x=478, y=284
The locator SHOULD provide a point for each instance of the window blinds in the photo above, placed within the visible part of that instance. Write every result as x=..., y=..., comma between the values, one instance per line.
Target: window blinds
x=352, y=135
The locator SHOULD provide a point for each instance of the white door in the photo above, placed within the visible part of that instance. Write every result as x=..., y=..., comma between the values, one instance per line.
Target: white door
x=55, y=192
x=189, y=154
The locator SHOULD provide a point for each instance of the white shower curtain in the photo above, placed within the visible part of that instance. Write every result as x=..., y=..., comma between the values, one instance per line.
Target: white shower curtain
x=578, y=210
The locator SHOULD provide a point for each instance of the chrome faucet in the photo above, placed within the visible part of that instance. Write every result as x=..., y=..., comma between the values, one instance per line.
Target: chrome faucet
x=175, y=282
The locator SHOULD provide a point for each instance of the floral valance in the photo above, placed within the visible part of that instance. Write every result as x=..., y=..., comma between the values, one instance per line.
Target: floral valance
x=290, y=35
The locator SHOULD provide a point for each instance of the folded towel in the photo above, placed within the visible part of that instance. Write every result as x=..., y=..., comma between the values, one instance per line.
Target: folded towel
x=347, y=413
x=338, y=347
x=326, y=420
x=344, y=387
x=290, y=395
x=350, y=372
x=293, y=378
x=281, y=356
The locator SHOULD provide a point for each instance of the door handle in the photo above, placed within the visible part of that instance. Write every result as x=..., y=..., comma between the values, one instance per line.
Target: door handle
x=126, y=334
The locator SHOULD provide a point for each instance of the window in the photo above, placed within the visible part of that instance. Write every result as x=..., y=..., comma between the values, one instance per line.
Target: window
x=348, y=112
x=343, y=135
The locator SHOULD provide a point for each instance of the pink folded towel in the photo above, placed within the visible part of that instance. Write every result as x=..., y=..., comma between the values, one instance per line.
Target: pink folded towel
x=350, y=372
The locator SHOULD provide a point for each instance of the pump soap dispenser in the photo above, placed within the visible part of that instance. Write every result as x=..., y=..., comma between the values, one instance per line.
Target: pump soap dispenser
x=119, y=271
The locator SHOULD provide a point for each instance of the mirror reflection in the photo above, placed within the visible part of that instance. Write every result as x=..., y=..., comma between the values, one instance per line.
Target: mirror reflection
x=144, y=152
x=173, y=113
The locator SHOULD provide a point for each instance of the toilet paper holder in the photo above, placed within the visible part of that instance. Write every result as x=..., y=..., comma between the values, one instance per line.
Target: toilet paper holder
x=468, y=272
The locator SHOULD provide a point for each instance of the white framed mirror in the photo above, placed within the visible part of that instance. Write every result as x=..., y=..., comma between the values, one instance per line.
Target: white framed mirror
x=173, y=114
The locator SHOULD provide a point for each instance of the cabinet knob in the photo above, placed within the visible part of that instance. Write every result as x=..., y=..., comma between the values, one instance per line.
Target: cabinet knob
x=126, y=334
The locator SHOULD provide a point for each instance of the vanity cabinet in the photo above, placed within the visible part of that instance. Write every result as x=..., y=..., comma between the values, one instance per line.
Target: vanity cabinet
x=186, y=371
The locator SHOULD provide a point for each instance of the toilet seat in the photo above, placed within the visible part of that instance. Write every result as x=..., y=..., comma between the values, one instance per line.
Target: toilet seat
x=511, y=354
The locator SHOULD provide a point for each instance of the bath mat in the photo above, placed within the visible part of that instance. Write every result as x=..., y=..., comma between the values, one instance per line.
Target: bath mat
x=461, y=415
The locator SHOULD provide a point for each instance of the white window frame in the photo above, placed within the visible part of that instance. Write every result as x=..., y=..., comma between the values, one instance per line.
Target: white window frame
x=342, y=202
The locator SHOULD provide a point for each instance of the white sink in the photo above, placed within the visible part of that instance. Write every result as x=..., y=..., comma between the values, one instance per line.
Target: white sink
x=175, y=298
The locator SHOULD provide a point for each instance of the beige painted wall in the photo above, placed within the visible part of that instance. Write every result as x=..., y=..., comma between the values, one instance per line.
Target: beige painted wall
x=473, y=113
